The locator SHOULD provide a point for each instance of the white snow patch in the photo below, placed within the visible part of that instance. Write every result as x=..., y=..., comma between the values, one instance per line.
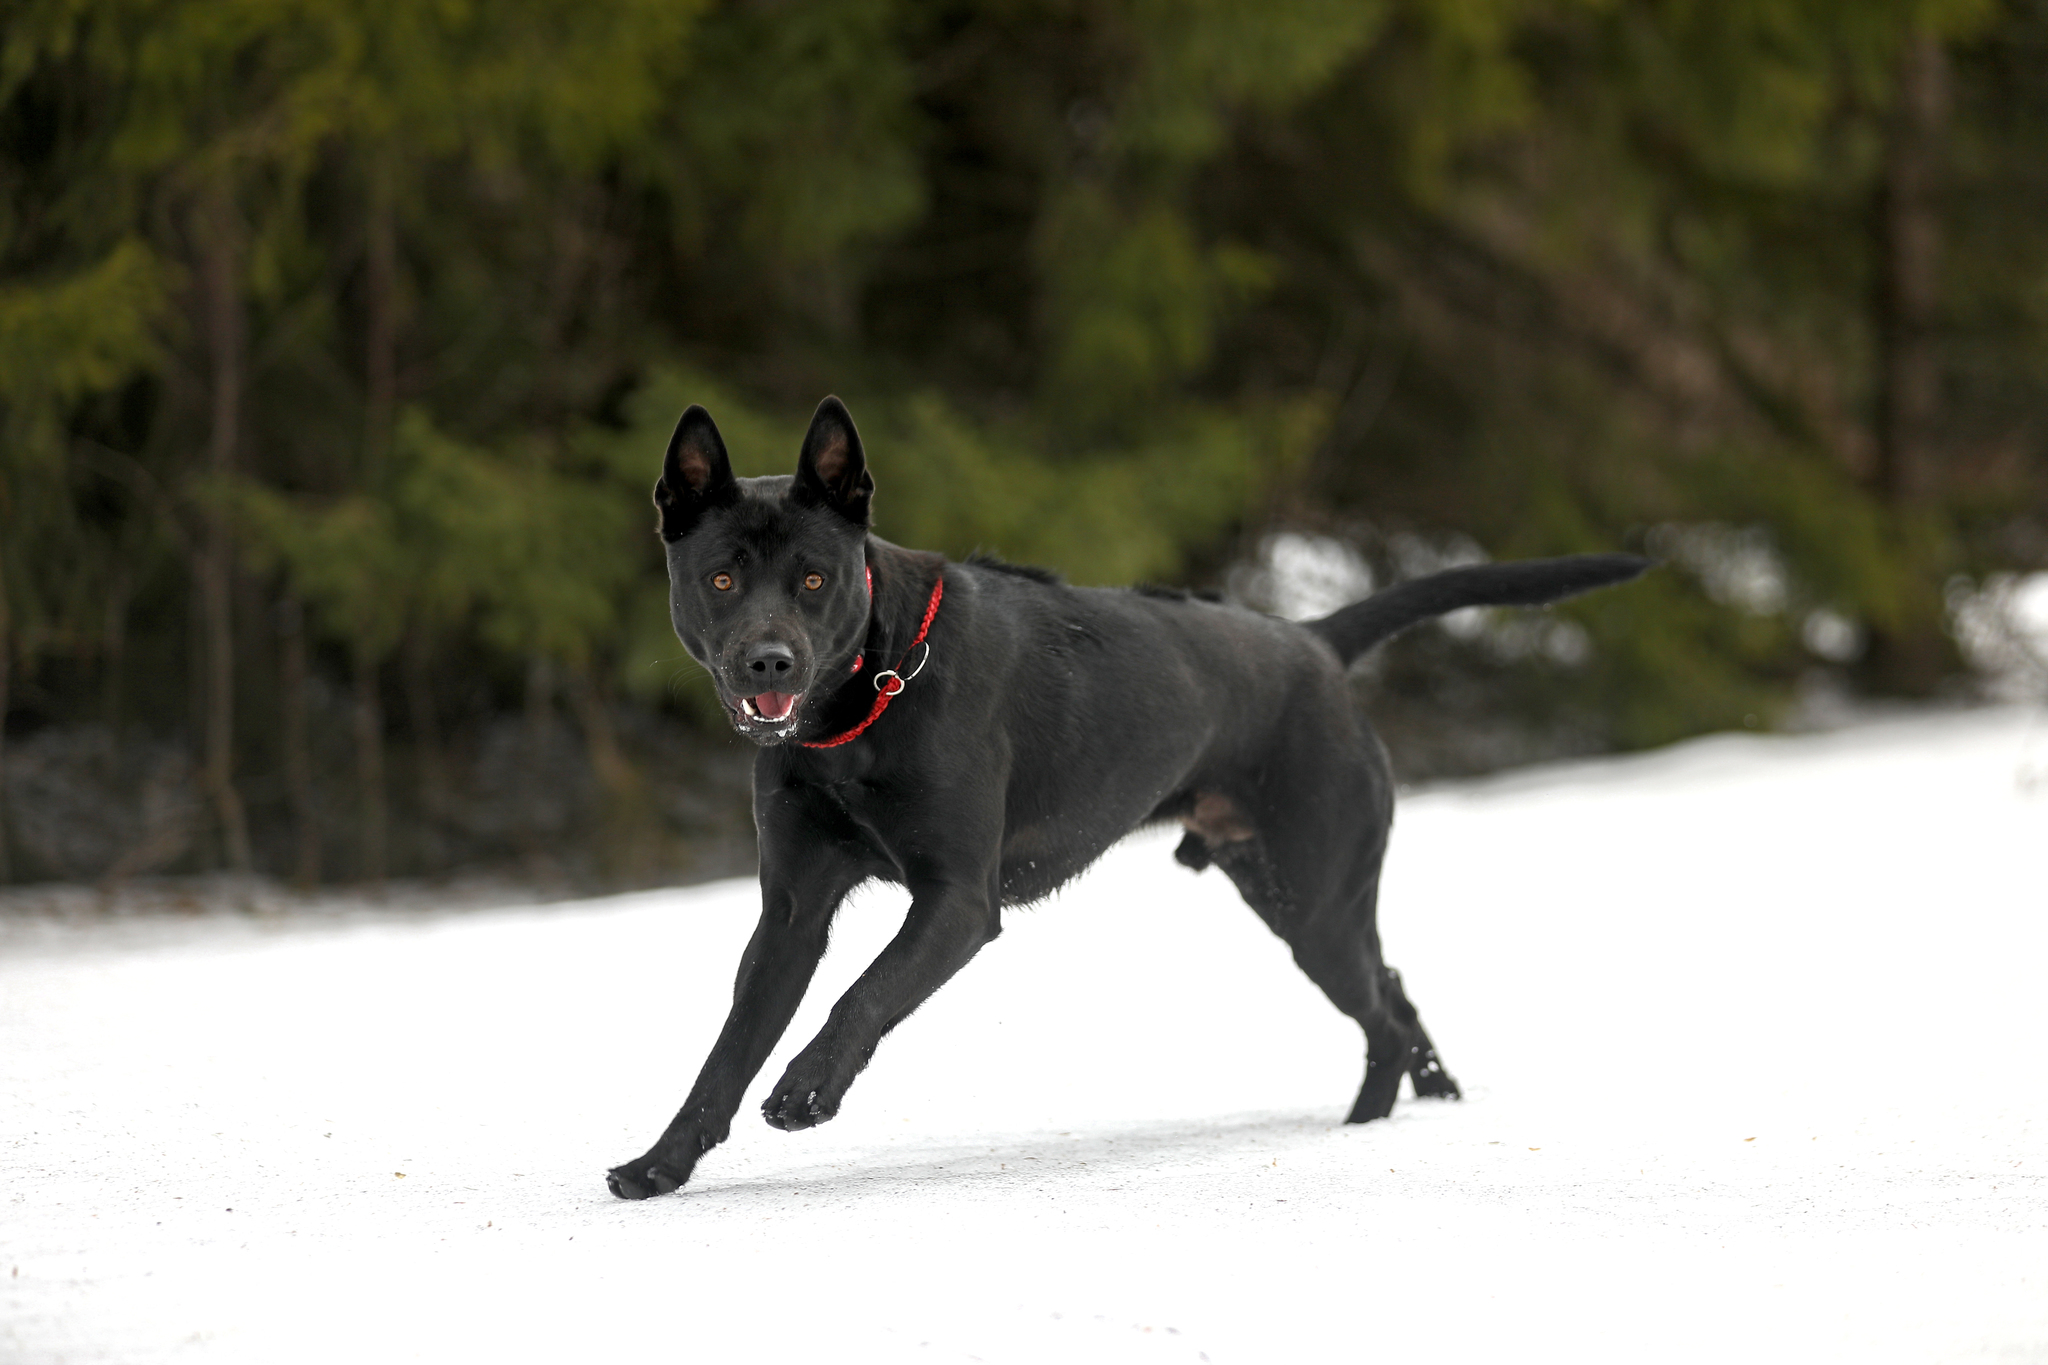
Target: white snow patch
x=1302, y=576
x=1752, y=1032
x=1737, y=565
x=2002, y=628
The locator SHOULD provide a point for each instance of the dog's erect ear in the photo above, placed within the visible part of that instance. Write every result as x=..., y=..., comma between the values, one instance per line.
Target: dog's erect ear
x=695, y=476
x=832, y=471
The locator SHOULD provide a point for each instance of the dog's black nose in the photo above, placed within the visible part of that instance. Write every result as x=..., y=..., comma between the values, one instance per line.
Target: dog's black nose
x=770, y=661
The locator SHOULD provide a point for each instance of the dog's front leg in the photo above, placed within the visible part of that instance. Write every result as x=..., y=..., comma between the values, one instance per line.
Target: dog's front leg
x=798, y=898
x=950, y=919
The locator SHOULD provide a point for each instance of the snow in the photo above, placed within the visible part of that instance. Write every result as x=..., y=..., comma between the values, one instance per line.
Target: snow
x=1752, y=1032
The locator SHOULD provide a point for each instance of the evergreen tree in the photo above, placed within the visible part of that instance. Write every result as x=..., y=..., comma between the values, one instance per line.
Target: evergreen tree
x=338, y=339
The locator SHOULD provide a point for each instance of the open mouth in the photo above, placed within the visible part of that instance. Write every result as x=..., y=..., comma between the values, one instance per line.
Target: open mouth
x=772, y=708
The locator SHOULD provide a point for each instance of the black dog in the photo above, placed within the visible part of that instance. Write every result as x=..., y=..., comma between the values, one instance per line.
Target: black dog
x=980, y=733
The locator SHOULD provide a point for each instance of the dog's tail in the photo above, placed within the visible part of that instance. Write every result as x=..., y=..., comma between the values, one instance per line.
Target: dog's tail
x=1355, y=629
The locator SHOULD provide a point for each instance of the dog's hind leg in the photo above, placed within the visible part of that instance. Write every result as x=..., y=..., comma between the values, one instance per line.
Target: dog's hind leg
x=1344, y=959
x=1425, y=1069
x=1337, y=945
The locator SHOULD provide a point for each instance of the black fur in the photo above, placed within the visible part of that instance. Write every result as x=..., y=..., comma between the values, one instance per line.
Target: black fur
x=1355, y=629
x=1044, y=723
x=1030, y=571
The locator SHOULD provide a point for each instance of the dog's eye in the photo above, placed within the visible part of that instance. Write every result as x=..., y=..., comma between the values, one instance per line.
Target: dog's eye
x=722, y=582
x=814, y=581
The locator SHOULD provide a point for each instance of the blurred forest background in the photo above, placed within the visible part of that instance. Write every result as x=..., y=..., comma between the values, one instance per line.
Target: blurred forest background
x=339, y=340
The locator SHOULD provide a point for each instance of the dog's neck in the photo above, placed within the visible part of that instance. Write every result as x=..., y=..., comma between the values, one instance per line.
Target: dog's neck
x=902, y=588
x=903, y=585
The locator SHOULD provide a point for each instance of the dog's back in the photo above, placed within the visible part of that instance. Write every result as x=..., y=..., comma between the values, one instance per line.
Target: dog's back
x=1110, y=708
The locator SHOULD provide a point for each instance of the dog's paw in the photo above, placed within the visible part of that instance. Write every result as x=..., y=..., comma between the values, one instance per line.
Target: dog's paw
x=640, y=1179
x=1432, y=1082
x=1439, y=1086
x=792, y=1109
x=658, y=1172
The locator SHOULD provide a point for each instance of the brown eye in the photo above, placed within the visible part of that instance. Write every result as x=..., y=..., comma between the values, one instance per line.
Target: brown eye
x=814, y=581
x=722, y=582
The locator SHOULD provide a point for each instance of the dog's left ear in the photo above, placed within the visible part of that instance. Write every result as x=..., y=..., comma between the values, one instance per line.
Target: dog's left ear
x=832, y=471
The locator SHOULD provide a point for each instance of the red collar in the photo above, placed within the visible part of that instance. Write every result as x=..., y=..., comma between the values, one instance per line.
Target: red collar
x=889, y=681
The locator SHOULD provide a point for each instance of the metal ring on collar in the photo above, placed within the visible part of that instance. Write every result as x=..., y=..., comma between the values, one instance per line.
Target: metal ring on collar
x=902, y=678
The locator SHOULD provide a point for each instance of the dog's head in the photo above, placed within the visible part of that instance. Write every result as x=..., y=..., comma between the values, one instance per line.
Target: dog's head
x=767, y=582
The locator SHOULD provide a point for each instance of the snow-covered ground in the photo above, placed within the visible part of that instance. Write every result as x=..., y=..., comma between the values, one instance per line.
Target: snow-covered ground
x=1753, y=1032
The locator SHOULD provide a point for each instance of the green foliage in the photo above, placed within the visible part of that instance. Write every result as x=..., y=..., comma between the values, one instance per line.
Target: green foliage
x=797, y=120
x=1110, y=285
x=84, y=333
x=1197, y=64
x=535, y=557
x=62, y=339
x=351, y=559
x=1133, y=302
x=542, y=555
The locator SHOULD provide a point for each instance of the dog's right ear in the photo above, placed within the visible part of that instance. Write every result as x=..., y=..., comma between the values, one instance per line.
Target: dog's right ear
x=695, y=475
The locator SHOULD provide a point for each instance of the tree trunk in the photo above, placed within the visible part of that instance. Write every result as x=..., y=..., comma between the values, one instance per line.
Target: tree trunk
x=615, y=772
x=6, y=678
x=113, y=656
x=298, y=758
x=540, y=699
x=1909, y=282
x=429, y=762
x=369, y=734
x=221, y=297
x=629, y=840
x=1911, y=653
x=380, y=394
x=380, y=320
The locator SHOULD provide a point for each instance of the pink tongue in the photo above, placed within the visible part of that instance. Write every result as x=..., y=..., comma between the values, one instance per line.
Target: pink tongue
x=774, y=705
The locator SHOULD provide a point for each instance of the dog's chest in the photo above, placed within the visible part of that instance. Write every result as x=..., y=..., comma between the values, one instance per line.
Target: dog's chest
x=1033, y=863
